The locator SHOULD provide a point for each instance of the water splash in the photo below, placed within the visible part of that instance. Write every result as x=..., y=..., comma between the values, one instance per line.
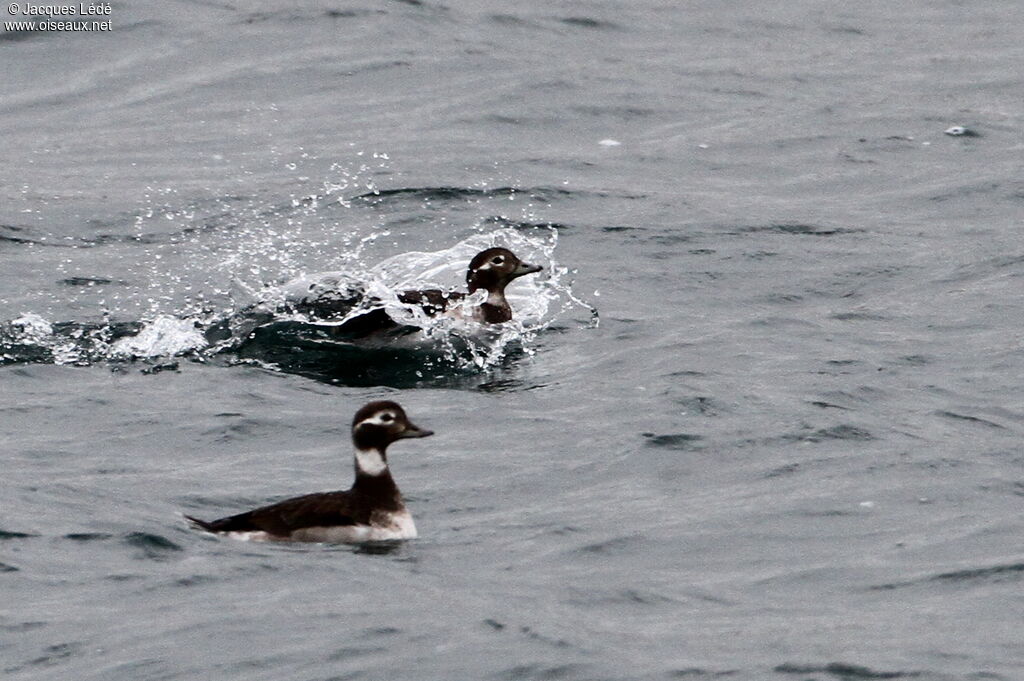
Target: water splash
x=265, y=329
x=165, y=336
x=441, y=342
x=32, y=339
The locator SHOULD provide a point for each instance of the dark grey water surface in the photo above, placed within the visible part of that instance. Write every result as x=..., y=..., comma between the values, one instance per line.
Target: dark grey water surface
x=790, y=449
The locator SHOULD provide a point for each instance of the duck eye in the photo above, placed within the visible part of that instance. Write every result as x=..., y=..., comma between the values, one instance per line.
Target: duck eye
x=497, y=260
x=387, y=417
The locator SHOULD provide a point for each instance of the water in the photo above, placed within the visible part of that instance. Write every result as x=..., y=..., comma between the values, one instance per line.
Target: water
x=788, y=450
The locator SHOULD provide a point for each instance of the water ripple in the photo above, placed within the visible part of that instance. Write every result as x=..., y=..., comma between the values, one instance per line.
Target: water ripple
x=1009, y=572
x=151, y=546
x=845, y=672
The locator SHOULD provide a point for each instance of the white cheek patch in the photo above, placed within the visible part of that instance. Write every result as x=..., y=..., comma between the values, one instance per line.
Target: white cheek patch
x=370, y=461
x=485, y=266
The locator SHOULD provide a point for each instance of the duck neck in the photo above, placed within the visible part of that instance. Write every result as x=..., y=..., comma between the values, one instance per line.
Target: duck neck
x=373, y=477
x=495, y=309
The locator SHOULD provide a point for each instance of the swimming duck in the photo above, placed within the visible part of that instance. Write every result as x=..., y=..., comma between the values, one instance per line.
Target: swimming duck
x=490, y=270
x=371, y=510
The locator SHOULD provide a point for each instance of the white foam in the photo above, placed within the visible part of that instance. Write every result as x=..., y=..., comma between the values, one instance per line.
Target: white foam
x=165, y=336
x=32, y=328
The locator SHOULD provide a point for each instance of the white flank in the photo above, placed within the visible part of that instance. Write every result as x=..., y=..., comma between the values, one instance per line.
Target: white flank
x=403, y=526
x=399, y=526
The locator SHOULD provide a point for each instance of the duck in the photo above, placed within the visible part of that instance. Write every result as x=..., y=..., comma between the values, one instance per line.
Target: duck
x=372, y=510
x=490, y=270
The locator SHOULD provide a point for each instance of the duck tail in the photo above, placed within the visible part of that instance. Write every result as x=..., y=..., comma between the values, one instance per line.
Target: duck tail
x=199, y=524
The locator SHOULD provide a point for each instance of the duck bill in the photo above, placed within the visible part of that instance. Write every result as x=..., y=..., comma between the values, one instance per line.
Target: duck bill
x=415, y=431
x=525, y=268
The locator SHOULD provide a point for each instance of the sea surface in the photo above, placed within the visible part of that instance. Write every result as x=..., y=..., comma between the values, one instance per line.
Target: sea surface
x=760, y=417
